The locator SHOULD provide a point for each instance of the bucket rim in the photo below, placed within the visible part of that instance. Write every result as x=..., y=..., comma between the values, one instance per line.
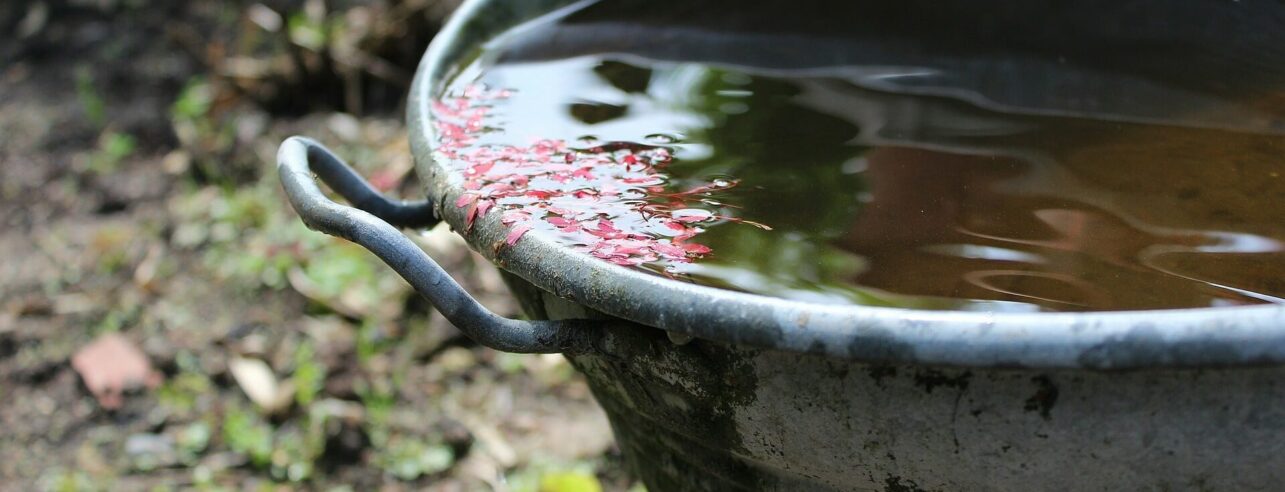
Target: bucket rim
x=1199, y=337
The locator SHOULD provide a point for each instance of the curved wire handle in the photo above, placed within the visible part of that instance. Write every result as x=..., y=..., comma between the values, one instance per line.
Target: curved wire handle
x=373, y=224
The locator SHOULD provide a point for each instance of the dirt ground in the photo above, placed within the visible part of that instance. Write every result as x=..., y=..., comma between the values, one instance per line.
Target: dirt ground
x=138, y=199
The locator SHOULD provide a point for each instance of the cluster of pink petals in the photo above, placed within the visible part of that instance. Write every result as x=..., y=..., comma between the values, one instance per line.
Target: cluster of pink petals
x=607, y=200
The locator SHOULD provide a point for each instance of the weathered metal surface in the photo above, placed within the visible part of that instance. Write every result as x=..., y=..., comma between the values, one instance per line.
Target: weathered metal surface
x=780, y=395
x=710, y=416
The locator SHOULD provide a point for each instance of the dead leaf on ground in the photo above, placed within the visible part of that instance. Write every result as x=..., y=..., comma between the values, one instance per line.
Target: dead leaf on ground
x=112, y=365
x=493, y=442
x=260, y=384
x=145, y=273
x=301, y=283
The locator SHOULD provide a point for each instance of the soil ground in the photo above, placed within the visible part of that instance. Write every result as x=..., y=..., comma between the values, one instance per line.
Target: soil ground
x=137, y=197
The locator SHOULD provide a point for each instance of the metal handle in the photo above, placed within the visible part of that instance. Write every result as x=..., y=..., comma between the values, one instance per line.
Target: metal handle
x=373, y=225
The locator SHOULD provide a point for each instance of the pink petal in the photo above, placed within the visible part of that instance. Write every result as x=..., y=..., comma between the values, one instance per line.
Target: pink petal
x=516, y=233
x=631, y=192
x=559, y=221
x=694, y=248
x=472, y=214
x=669, y=250
x=514, y=216
x=628, y=250
x=465, y=199
x=480, y=169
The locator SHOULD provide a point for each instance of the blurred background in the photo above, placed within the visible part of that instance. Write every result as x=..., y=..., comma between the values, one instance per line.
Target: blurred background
x=168, y=323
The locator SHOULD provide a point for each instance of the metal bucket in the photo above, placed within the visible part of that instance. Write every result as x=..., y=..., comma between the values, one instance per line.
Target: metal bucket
x=709, y=389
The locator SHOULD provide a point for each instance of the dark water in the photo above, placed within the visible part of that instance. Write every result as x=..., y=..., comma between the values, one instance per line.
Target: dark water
x=873, y=196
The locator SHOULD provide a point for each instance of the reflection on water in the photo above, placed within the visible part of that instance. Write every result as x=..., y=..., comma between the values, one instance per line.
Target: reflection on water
x=890, y=199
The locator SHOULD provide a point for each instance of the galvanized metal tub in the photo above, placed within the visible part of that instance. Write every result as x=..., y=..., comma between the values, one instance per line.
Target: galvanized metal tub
x=709, y=389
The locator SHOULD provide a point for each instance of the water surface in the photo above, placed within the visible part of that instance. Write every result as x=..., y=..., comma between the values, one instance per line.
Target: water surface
x=817, y=185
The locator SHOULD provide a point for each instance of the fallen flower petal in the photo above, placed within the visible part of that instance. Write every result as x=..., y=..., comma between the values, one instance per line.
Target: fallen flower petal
x=695, y=248
x=516, y=233
x=609, y=200
x=112, y=365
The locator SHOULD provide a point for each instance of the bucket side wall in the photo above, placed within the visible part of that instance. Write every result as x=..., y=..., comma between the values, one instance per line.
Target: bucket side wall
x=709, y=416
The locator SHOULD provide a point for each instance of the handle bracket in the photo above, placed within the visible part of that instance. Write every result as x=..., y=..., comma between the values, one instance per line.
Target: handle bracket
x=373, y=221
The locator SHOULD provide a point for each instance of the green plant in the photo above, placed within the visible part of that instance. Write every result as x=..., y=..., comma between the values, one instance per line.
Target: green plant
x=542, y=475
x=309, y=376
x=193, y=102
x=569, y=481
x=90, y=102
x=193, y=440
x=115, y=320
x=371, y=341
x=112, y=148
x=408, y=459
x=251, y=239
x=209, y=138
x=309, y=33
x=59, y=480
x=181, y=392
x=339, y=268
x=244, y=432
x=294, y=455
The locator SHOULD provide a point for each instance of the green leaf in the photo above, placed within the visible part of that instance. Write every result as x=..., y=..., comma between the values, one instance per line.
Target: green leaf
x=569, y=482
x=194, y=438
x=305, y=32
x=193, y=102
x=90, y=101
x=409, y=459
x=245, y=433
x=112, y=148
x=309, y=376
